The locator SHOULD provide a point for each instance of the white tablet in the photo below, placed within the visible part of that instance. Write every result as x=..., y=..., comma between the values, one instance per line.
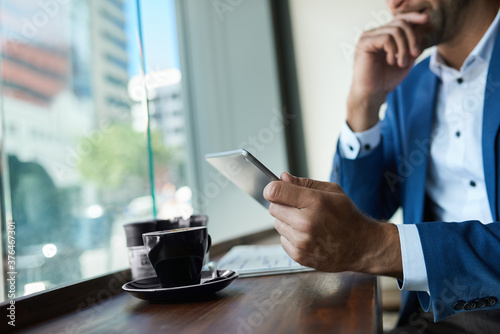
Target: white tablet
x=245, y=171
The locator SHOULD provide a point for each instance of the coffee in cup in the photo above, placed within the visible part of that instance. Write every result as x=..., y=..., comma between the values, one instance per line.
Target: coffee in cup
x=177, y=255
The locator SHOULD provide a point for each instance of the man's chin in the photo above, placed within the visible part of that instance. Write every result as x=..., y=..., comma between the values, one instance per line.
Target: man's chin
x=427, y=37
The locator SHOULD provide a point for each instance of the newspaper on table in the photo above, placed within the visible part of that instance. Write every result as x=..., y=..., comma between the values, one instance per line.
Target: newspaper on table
x=256, y=260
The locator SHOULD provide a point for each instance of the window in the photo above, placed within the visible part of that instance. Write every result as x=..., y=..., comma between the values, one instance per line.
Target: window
x=122, y=44
x=76, y=168
x=123, y=64
x=111, y=16
x=75, y=158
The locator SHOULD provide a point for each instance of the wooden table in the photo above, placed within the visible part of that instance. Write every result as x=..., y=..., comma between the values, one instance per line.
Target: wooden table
x=310, y=302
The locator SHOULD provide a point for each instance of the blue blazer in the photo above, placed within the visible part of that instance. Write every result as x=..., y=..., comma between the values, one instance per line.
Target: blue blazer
x=462, y=260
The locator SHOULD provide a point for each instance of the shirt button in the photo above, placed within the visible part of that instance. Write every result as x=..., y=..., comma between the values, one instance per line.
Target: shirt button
x=472, y=183
x=367, y=147
x=457, y=134
x=460, y=80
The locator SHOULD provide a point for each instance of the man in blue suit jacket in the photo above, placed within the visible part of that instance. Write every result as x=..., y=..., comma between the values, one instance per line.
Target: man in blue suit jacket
x=436, y=154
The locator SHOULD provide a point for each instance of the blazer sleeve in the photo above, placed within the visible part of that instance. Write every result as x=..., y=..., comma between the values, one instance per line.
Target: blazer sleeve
x=371, y=181
x=462, y=259
x=463, y=267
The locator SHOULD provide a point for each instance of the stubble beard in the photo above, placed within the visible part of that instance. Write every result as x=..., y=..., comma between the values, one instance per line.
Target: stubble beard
x=444, y=23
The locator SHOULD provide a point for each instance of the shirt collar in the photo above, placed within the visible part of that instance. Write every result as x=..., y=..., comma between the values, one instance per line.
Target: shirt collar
x=482, y=52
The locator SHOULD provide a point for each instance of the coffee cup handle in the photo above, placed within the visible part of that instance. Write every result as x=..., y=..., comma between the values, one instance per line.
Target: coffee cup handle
x=209, y=243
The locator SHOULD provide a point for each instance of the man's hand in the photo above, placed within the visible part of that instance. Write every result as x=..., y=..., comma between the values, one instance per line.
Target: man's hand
x=320, y=227
x=384, y=56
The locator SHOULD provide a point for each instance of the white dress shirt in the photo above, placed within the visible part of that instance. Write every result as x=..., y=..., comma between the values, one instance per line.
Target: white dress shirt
x=455, y=179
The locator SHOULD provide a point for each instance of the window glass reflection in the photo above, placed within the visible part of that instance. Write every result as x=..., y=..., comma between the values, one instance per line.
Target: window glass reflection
x=75, y=164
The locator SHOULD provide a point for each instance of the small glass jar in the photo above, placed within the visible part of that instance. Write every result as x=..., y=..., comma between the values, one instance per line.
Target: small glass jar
x=140, y=265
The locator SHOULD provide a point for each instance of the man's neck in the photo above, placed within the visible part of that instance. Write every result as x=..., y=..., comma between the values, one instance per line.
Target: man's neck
x=477, y=22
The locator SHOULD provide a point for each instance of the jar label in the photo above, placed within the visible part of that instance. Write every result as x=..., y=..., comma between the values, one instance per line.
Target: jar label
x=139, y=264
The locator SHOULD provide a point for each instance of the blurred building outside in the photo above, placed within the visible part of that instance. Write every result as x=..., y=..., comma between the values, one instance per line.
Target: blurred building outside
x=164, y=91
x=64, y=71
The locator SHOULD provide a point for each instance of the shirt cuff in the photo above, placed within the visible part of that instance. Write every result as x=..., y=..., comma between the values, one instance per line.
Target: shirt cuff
x=355, y=145
x=414, y=271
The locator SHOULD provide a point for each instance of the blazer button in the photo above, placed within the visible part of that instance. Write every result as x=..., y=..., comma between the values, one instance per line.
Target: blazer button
x=459, y=305
x=480, y=303
x=470, y=306
x=490, y=301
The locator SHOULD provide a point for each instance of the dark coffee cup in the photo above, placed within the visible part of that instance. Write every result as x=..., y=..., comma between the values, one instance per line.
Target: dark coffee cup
x=177, y=255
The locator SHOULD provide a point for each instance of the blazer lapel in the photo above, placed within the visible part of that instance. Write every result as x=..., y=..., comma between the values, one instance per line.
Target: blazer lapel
x=491, y=124
x=418, y=141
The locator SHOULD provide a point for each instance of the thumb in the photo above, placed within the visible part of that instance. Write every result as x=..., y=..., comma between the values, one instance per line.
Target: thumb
x=309, y=183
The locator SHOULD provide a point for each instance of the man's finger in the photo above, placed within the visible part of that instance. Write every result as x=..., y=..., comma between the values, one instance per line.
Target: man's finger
x=290, y=216
x=289, y=248
x=410, y=35
x=289, y=194
x=309, y=183
x=413, y=17
x=290, y=222
x=373, y=42
x=400, y=39
x=285, y=230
